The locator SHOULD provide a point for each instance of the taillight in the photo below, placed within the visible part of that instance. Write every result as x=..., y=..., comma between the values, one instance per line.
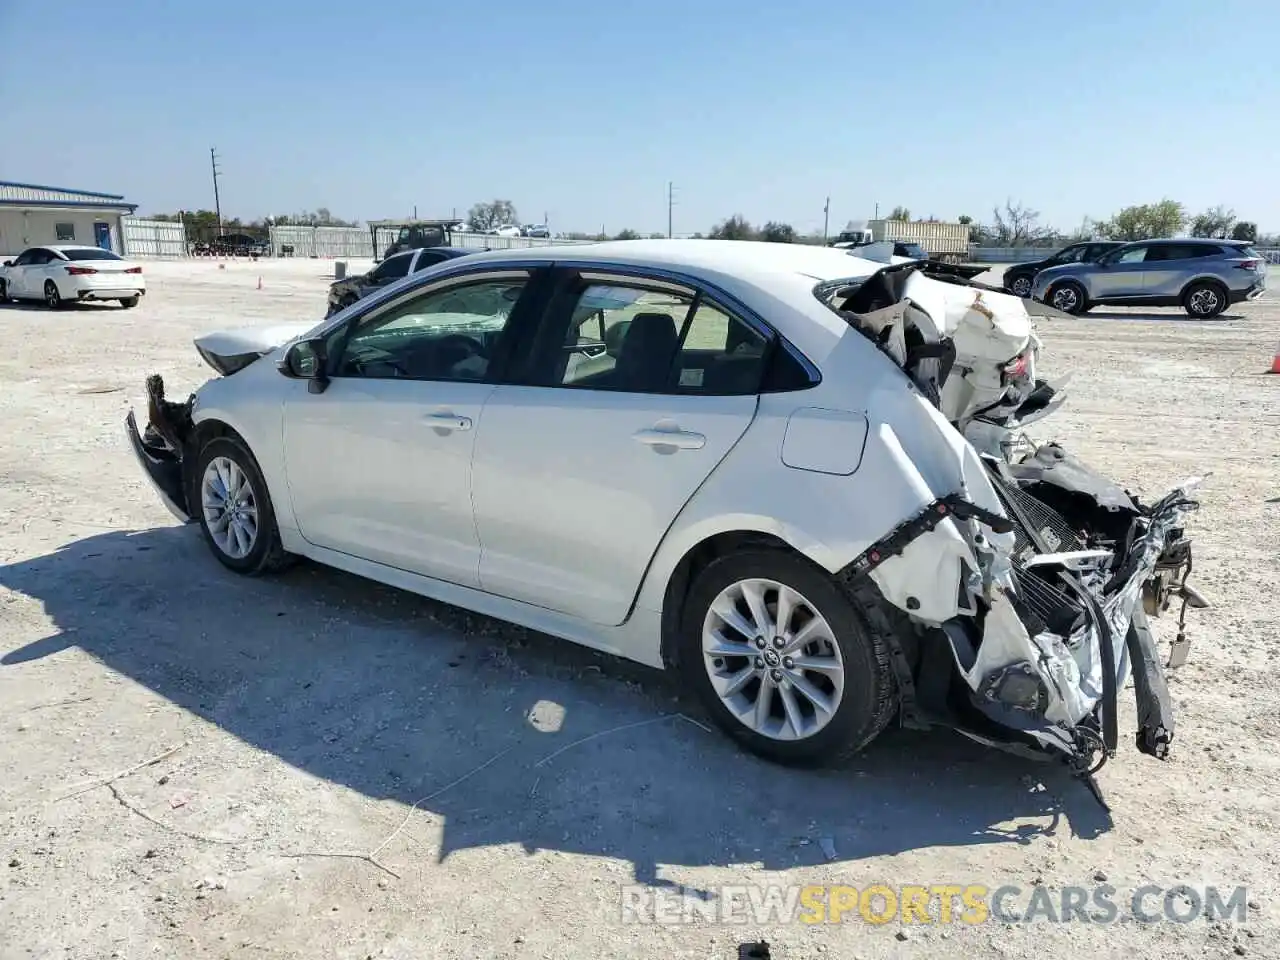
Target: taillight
x=1248, y=264
x=80, y=271
x=1015, y=368
x=134, y=270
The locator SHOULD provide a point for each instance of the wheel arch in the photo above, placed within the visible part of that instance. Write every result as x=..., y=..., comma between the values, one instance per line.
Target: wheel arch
x=695, y=559
x=1206, y=278
x=215, y=423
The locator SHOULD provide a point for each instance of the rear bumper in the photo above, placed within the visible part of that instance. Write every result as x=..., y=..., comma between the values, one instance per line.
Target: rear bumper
x=1257, y=290
x=110, y=293
x=162, y=468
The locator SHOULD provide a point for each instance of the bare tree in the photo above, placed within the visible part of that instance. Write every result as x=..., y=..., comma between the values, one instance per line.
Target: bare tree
x=1017, y=225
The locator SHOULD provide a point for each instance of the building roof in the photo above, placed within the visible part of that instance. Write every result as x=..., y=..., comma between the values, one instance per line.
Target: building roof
x=39, y=196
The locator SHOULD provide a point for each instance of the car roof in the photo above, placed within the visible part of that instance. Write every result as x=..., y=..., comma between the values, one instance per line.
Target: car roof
x=776, y=280
x=68, y=246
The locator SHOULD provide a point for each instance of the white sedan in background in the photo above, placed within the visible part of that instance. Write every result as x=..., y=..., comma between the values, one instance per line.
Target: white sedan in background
x=797, y=477
x=62, y=274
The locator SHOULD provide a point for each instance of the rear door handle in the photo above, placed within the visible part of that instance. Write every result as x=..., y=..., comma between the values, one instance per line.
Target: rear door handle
x=680, y=439
x=447, y=421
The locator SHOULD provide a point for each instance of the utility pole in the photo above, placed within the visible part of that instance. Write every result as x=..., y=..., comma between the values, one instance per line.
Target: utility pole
x=671, y=202
x=217, y=203
x=826, y=218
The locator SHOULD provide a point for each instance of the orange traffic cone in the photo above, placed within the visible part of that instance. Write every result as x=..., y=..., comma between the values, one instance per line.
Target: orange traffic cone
x=1275, y=362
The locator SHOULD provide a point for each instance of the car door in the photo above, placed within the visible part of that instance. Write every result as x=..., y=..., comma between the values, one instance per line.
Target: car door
x=16, y=275
x=1121, y=274
x=379, y=463
x=634, y=390
x=1170, y=265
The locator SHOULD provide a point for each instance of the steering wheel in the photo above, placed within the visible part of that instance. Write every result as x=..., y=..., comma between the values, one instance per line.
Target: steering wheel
x=454, y=341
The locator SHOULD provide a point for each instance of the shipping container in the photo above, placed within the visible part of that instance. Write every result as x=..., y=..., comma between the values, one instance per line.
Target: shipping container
x=941, y=240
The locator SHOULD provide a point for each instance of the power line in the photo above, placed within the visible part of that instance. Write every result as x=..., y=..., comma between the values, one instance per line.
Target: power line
x=217, y=203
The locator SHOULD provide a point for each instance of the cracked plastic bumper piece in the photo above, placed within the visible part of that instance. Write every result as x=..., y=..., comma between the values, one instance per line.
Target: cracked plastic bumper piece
x=163, y=469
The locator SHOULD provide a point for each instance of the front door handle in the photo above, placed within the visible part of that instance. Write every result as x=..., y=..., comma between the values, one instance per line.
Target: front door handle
x=680, y=439
x=447, y=421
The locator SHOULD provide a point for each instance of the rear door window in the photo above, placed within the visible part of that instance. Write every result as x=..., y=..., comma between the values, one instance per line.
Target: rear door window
x=630, y=337
x=1134, y=255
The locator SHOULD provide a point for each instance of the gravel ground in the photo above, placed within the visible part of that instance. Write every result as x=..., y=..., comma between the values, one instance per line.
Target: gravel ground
x=301, y=718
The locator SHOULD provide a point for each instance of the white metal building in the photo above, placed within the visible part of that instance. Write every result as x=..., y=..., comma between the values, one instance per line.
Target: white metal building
x=32, y=215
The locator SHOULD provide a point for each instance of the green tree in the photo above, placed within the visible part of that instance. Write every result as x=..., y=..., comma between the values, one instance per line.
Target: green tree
x=1148, y=221
x=485, y=216
x=774, y=232
x=734, y=228
x=627, y=234
x=1215, y=223
x=965, y=219
x=899, y=213
x=1245, y=230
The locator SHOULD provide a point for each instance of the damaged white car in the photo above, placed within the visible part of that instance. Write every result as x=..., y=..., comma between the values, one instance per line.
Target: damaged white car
x=795, y=476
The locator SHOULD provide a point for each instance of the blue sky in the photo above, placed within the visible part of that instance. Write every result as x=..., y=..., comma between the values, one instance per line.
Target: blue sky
x=584, y=110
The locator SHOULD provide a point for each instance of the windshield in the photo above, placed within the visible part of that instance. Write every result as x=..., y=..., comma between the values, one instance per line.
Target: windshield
x=89, y=253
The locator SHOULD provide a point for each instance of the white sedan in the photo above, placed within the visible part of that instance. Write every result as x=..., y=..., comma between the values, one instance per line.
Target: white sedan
x=790, y=474
x=63, y=274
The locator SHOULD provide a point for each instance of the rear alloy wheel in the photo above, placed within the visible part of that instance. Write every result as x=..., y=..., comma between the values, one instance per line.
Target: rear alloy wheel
x=52, y=298
x=782, y=660
x=129, y=302
x=1204, y=300
x=1068, y=296
x=231, y=502
x=1021, y=286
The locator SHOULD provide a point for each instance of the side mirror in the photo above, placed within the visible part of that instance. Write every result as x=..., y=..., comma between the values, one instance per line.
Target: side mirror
x=305, y=360
x=8, y=263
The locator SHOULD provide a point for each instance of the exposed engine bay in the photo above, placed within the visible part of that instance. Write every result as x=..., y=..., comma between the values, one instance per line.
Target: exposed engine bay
x=1051, y=622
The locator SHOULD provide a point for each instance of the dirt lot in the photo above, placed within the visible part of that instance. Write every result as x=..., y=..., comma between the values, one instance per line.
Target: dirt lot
x=302, y=716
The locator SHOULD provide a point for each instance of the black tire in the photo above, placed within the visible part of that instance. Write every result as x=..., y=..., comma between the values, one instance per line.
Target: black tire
x=1074, y=299
x=868, y=701
x=1020, y=285
x=4, y=291
x=1204, y=299
x=266, y=554
x=52, y=296
x=129, y=302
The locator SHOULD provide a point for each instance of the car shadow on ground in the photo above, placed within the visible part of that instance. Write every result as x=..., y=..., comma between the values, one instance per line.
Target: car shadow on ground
x=396, y=696
x=68, y=306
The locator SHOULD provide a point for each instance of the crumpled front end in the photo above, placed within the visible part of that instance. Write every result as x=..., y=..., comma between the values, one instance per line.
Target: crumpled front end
x=161, y=447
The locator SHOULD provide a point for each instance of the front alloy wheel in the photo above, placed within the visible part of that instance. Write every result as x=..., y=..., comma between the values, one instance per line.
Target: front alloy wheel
x=1021, y=287
x=1067, y=297
x=772, y=659
x=229, y=498
x=230, y=508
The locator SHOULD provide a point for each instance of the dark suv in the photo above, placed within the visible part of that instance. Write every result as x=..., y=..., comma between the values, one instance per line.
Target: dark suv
x=1020, y=277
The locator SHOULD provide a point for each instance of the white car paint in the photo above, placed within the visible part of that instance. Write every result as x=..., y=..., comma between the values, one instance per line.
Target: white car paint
x=78, y=272
x=568, y=511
